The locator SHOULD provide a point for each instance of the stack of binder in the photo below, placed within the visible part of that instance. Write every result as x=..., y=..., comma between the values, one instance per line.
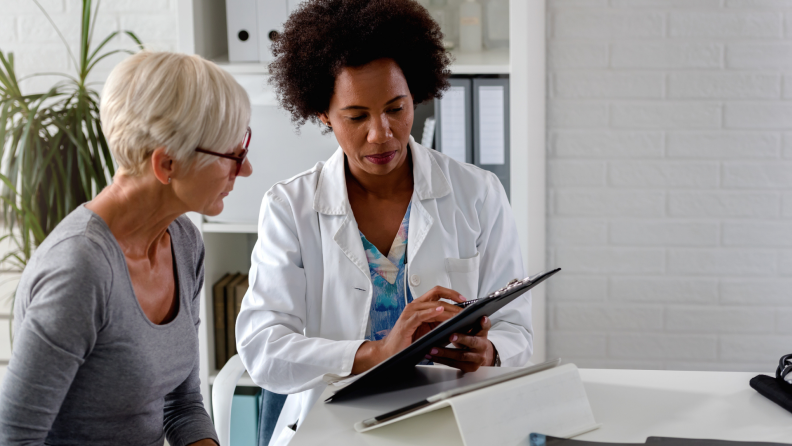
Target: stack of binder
x=227, y=297
x=472, y=124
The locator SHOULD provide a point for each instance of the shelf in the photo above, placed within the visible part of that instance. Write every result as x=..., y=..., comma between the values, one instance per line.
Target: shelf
x=244, y=381
x=241, y=67
x=494, y=61
x=233, y=228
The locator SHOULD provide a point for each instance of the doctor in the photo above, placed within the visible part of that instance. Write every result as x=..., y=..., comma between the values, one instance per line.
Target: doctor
x=355, y=254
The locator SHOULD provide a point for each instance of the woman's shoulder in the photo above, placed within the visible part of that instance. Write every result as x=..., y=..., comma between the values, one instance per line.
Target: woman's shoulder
x=82, y=237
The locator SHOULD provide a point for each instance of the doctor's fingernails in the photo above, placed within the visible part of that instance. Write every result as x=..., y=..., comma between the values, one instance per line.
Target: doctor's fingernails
x=434, y=351
x=428, y=356
x=439, y=309
x=462, y=297
x=454, y=338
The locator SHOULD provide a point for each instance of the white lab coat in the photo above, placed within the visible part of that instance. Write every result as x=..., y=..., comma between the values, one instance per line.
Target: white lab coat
x=307, y=308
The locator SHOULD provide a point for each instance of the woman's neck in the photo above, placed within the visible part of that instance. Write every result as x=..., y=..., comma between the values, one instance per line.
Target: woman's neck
x=138, y=211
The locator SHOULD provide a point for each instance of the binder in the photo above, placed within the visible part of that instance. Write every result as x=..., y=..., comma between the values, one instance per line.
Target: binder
x=230, y=296
x=218, y=298
x=243, y=31
x=491, y=127
x=239, y=294
x=454, y=121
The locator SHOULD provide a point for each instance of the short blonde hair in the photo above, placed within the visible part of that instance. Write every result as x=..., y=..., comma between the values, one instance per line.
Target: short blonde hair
x=171, y=100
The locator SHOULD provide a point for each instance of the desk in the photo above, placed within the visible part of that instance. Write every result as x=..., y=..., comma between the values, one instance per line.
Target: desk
x=630, y=404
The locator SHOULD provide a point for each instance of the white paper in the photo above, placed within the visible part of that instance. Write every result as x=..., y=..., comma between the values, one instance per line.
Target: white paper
x=492, y=125
x=427, y=138
x=452, y=123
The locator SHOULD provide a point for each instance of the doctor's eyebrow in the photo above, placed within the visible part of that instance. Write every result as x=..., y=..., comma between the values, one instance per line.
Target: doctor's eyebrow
x=360, y=107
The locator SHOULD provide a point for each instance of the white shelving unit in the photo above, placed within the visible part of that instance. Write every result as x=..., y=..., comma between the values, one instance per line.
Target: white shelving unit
x=486, y=62
x=228, y=246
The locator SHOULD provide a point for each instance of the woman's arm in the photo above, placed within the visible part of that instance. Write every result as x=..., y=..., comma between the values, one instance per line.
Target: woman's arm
x=68, y=288
x=271, y=323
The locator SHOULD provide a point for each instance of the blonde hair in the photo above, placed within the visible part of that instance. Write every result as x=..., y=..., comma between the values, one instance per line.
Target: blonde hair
x=176, y=101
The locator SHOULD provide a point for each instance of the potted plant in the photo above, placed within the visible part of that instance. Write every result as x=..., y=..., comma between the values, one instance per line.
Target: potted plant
x=53, y=153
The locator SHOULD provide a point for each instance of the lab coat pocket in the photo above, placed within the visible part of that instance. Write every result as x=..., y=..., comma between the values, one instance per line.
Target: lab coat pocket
x=463, y=275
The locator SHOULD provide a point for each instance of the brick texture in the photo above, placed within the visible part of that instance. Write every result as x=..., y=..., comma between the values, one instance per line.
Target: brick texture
x=680, y=256
x=37, y=47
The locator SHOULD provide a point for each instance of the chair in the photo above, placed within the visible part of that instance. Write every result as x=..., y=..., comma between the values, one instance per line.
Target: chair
x=223, y=396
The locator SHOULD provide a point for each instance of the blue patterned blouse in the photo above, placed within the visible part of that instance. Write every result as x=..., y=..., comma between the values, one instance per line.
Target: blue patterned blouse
x=390, y=294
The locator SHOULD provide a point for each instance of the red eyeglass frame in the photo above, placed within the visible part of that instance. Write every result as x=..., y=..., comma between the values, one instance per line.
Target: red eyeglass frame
x=240, y=160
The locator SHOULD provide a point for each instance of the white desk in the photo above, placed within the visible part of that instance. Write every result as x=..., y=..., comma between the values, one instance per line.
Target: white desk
x=630, y=404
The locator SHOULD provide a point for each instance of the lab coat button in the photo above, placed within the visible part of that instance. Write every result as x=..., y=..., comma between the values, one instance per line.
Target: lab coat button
x=415, y=280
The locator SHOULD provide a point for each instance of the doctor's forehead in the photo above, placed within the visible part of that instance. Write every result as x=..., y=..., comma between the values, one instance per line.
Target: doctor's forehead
x=374, y=84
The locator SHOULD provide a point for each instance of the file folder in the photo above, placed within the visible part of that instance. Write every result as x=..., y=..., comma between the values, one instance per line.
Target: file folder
x=243, y=32
x=491, y=127
x=454, y=121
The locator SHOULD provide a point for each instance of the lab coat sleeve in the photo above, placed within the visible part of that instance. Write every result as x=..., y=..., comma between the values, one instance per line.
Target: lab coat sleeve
x=501, y=261
x=271, y=323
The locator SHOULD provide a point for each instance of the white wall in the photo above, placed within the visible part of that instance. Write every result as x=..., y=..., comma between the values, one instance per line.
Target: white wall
x=25, y=31
x=670, y=183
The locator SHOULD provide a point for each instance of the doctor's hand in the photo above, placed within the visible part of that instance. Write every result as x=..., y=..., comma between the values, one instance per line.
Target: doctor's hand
x=418, y=318
x=471, y=352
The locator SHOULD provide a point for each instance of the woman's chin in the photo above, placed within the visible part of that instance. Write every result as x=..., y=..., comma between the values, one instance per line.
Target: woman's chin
x=214, y=210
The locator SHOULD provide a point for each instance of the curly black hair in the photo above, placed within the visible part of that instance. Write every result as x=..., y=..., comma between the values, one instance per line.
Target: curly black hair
x=323, y=36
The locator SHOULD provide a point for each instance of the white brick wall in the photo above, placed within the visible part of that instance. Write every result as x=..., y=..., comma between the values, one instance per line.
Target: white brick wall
x=669, y=183
x=26, y=32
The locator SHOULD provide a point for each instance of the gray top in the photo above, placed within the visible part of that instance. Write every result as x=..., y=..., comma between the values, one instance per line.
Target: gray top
x=88, y=367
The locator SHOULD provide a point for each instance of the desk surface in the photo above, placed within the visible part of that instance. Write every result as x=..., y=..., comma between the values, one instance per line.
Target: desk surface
x=630, y=404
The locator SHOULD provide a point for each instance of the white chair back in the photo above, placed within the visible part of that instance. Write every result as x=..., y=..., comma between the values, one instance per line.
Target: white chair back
x=223, y=395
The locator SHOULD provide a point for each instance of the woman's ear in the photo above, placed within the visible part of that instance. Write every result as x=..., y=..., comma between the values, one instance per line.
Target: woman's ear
x=325, y=119
x=162, y=165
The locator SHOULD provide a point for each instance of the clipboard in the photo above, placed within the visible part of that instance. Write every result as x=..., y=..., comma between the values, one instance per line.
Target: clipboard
x=466, y=321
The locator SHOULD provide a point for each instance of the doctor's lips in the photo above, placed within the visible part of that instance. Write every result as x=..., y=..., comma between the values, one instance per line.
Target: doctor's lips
x=382, y=158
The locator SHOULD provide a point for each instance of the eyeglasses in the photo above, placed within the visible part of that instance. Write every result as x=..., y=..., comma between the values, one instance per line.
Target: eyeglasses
x=240, y=160
x=784, y=369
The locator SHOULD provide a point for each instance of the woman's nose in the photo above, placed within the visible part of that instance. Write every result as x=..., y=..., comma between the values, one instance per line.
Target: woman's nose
x=247, y=169
x=380, y=131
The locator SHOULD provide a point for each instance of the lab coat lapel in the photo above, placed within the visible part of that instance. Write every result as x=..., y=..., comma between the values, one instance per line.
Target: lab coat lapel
x=429, y=185
x=331, y=199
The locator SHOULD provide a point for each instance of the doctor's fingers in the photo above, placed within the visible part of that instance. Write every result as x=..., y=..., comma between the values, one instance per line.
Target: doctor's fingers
x=416, y=318
x=449, y=310
x=467, y=361
x=439, y=292
x=478, y=342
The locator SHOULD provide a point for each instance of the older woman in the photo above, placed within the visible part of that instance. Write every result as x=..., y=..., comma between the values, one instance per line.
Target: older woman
x=106, y=317
x=355, y=254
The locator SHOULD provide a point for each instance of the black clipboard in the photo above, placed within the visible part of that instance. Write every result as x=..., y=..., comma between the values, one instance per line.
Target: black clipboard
x=465, y=322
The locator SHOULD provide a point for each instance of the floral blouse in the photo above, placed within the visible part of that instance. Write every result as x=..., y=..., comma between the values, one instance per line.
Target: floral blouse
x=391, y=293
